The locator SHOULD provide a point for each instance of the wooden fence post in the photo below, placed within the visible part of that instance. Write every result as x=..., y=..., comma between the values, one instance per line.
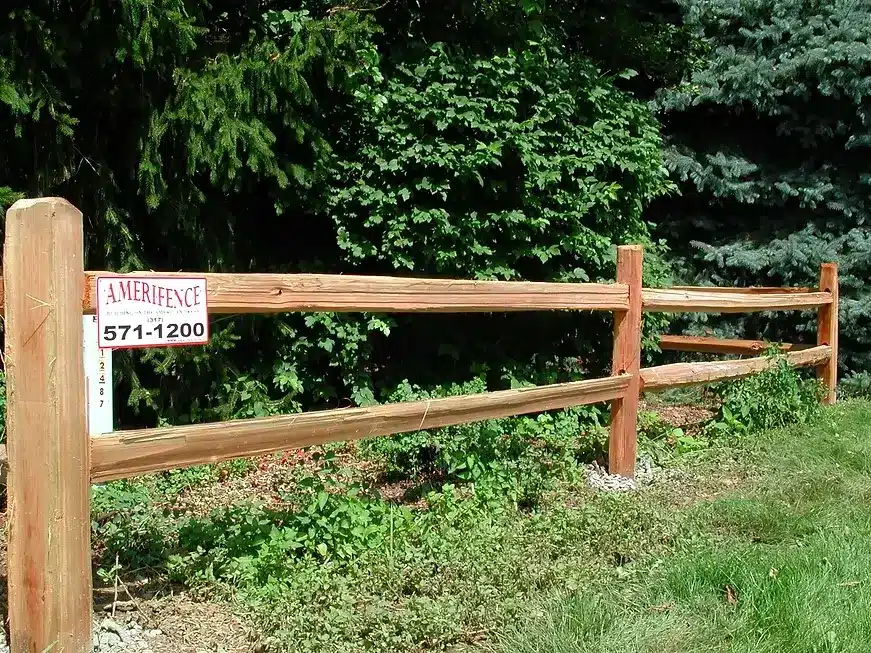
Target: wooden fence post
x=626, y=360
x=49, y=550
x=827, y=330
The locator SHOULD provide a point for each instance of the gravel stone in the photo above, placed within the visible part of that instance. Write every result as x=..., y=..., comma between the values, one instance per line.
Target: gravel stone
x=599, y=479
x=110, y=636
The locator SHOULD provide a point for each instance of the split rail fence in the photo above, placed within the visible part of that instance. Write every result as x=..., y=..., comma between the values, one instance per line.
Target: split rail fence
x=53, y=461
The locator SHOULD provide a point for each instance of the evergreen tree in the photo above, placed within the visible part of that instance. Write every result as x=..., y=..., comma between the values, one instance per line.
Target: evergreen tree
x=768, y=140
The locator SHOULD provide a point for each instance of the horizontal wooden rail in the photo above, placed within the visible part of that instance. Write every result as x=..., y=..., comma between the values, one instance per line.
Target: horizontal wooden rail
x=753, y=290
x=704, y=300
x=279, y=293
x=128, y=453
x=677, y=375
x=722, y=345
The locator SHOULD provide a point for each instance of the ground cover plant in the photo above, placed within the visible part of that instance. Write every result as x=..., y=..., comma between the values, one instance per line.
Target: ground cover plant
x=426, y=541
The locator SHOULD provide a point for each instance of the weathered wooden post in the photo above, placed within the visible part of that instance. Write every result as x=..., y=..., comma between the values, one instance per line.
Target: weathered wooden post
x=626, y=360
x=827, y=330
x=49, y=551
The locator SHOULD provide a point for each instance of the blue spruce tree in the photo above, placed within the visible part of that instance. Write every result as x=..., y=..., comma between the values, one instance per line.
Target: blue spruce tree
x=769, y=138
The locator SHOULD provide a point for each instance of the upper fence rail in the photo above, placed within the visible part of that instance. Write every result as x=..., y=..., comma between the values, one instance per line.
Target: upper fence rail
x=705, y=300
x=230, y=293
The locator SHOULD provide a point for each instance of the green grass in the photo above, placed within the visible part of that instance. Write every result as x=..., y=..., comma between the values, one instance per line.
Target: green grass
x=781, y=565
x=759, y=546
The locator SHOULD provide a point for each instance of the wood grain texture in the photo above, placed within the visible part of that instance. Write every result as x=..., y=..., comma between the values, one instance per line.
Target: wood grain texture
x=704, y=300
x=827, y=331
x=278, y=293
x=753, y=290
x=721, y=345
x=128, y=453
x=622, y=443
x=49, y=554
x=684, y=374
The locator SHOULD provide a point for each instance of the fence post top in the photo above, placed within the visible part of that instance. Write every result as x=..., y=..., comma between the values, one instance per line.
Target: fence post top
x=630, y=248
x=55, y=202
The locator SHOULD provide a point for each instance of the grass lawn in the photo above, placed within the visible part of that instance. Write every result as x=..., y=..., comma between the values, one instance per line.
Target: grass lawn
x=780, y=564
x=757, y=547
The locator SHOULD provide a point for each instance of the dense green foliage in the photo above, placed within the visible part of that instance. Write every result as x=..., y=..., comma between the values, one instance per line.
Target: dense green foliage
x=768, y=139
x=467, y=139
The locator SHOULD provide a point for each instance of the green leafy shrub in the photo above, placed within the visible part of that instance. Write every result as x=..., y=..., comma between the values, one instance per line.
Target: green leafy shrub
x=776, y=397
x=516, y=456
x=525, y=163
x=128, y=528
x=328, y=521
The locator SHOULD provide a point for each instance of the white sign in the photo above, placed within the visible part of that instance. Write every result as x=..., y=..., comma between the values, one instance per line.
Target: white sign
x=98, y=379
x=139, y=311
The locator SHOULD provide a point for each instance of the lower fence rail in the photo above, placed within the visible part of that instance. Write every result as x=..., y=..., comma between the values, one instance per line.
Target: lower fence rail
x=128, y=453
x=679, y=375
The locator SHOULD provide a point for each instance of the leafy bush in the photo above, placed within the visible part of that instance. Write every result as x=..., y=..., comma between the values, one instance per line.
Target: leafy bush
x=526, y=163
x=777, y=397
x=517, y=455
x=857, y=385
x=127, y=527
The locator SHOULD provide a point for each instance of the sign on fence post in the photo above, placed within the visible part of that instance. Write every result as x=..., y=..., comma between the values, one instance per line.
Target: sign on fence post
x=98, y=379
x=151, y=311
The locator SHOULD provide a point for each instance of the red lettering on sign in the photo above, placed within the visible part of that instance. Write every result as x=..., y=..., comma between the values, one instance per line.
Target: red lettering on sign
x=141, y=290
x=124, y=288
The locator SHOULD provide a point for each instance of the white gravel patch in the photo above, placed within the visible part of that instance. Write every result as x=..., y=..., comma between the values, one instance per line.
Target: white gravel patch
x=599, y=479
